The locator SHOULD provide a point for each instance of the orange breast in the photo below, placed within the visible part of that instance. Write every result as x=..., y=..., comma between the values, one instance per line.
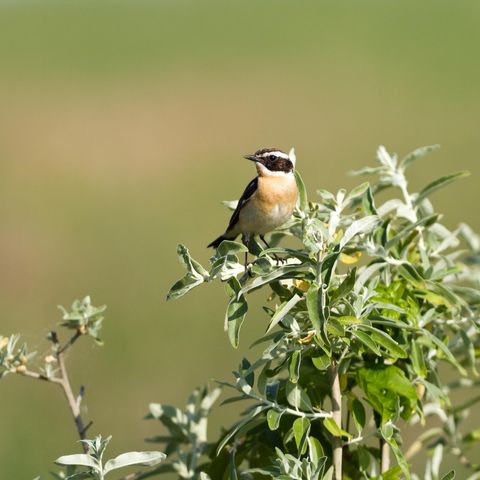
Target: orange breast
x=273, y=191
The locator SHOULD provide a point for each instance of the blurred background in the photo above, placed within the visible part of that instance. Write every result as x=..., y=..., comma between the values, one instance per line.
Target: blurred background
x=122, y=127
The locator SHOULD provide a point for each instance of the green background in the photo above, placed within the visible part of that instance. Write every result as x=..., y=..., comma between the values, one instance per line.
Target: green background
x=123, y=126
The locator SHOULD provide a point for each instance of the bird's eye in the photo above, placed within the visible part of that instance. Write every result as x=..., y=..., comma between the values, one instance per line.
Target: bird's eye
x=273, y=158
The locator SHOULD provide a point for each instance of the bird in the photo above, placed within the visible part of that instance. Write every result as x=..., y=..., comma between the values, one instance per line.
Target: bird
x=269, y=199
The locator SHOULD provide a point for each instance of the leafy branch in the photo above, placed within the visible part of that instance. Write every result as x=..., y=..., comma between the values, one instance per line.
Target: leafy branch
x=83, y=319
x=360, y=317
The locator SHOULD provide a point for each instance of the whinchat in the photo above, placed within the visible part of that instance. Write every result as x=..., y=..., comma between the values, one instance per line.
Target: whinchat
x=269, y=199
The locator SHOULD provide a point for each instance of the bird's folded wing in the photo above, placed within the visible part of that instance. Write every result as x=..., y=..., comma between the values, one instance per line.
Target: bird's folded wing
x=246, y=196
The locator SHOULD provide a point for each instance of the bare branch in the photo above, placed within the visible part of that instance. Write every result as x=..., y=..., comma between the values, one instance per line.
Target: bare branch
x=38, y=376
x=385, y=451
x=71, y=341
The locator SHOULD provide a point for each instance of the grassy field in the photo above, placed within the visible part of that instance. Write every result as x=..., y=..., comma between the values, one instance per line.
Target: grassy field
x=123, y=126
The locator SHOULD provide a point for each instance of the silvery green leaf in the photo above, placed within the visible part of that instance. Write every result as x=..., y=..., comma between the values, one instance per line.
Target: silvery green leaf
x=301, y=430
x=445, y=350
x=416, y=154
x=471, y=237
x=230, y=247
x=365, y=273
x=437, y=458
x=315, y=309
x=439, y=183
x=286, y=271
x=385, y=158
x=368, y=202
x=148, y=459
x=236, y=311
x=364, y=225
x=80, y=459
x=294, y=366
x=386, y=341
x=358, y=413
x=345, y=287
x=366, y=171
x=190, y=264
x=183, y=286
x=298, y=398
x=230, y=204
x=449, y=476
x=78, y=476
x=326, y=195
x=356, y=192
x=273, y=418
x=401, y=461
x=328, y=474
x=389, y=206
x=423, y=222
x=292, y=156
x=302, y=192
x=283, y=310
x=331, y=425
x=367, y=341
x=210, y=398
x=226, y=267
x=250, y=416
x=195, y=275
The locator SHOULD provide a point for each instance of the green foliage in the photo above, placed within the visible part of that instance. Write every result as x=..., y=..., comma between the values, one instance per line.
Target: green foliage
x=84, y=317
x=91, y=463
x=378, y=295
x=13, y=357
x=186, y=442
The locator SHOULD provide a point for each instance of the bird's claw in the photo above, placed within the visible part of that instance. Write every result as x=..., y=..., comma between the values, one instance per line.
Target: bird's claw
x=279, y=260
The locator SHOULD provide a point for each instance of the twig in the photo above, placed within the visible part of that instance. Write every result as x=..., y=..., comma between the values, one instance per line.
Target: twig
x=336, y=396
x=38, y=376
x=70, y=342
x=66, y=386
x=87, y=426
x=291, y=411
x=64, y=382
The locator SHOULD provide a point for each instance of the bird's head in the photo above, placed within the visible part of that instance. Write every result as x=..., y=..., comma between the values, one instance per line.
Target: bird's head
x=273, y=162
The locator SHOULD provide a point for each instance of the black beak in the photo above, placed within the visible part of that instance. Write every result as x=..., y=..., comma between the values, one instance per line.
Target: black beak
x=254, y=158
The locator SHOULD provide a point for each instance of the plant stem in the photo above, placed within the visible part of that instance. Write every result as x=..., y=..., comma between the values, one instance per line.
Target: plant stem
x=64, y=382
x=336, y=396
x=70, y=342
x=73, y=402
x=385, y=450
x=39, y=376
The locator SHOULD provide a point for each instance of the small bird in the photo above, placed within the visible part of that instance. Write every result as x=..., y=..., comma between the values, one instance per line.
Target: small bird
x=269, y=199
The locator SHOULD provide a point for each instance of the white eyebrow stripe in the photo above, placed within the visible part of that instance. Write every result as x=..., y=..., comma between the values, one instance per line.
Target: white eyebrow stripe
x=276, y=153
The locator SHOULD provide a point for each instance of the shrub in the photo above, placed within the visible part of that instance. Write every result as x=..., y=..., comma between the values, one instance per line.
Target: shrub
x=360, y=320
x=365, y=320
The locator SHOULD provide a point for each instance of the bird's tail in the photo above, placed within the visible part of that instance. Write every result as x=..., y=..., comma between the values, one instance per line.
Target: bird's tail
x=219, y=240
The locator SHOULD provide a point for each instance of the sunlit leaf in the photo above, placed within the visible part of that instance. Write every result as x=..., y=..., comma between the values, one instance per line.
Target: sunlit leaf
x=148, y=459
x=273, y=418
x=416, y=154
x=301, y=429
x=236, y=311
x=439, y=183
x=297, y=397
x=302, y=191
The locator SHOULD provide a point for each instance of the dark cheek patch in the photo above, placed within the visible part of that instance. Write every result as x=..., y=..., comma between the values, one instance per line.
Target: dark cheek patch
x=279, y=165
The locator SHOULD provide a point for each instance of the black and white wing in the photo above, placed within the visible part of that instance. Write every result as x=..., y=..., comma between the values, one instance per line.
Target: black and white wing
x=246, y=196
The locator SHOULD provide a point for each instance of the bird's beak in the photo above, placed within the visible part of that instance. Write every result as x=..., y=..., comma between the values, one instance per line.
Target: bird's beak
x=254, y=158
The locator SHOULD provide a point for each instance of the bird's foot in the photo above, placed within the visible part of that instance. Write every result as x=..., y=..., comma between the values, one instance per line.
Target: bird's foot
x=279, y=260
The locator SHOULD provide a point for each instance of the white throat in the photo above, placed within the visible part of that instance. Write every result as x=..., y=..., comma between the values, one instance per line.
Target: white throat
x=263, y=171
